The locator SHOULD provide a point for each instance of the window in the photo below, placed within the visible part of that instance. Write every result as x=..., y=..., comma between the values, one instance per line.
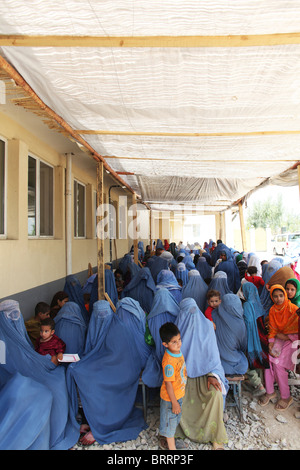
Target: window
x=79, y=209
x=40, y=198
x=2, y=187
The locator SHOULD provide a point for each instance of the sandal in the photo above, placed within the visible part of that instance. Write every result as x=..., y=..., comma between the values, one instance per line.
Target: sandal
x=282, y=405
x=87, y=439
x=162, y=443
x=265, y=399
x=217, y=446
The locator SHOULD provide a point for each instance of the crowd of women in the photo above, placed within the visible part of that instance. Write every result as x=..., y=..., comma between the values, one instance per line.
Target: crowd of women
x=254, y=333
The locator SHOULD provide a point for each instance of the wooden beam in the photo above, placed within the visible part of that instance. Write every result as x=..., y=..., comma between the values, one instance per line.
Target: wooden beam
x=100, y=234
x=187, y=134
x=134, y=221
x=149, y=41
x=242, y=222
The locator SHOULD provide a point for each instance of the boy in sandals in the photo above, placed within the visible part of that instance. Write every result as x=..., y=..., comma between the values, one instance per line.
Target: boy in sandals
x=173, y=387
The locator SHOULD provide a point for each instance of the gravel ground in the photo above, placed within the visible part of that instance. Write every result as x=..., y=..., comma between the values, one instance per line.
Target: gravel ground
x=263, y=428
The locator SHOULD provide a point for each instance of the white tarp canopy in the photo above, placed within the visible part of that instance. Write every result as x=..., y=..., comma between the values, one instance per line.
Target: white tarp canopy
x=191, y=101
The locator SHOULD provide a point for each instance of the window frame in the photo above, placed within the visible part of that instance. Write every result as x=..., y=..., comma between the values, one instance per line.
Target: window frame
x=79, y=237
x=37, y=235
x=3, y=236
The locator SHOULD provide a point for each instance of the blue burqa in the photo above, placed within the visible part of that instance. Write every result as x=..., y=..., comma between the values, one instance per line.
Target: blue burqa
x=23, y=359
x=269, y=269
x=253, y=309
x=141, y=288
x=24, y=413
x=107, y=378
x=110, y=288
x=230, y=268
x=182, y=273
x=157, y=265
x=134, y=317
x=188, y=261
x=168, y=280
x=199, y=345
x=196, y=288
x=74, y=290
x=71, y=328
x=164, y=309
x=204, y=268
x=231, y=334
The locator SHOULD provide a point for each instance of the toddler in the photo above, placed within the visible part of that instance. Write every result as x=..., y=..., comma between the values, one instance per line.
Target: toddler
x=48, y=342
x=214, y=300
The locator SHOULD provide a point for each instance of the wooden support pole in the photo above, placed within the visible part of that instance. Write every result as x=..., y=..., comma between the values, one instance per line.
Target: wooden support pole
x=243, y=232
x=100, y=233
x=298, y=168
x=135, y=238
x=150, y=229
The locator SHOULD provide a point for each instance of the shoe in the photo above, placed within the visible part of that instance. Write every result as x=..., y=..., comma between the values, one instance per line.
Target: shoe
x=181, y=445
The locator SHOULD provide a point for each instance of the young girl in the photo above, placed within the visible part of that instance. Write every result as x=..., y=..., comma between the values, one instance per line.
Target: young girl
x=292, y=287
x=283, y=331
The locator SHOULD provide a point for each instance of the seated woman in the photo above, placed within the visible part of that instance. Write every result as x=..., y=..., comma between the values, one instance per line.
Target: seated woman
x=141, y=288
x=74, y=290
x=164, y=309
x=107, y=378
x=23, y=359
x=229, y=266
x=25, y=422
x=168, y=280
x=219, y=283
x=204, y=269
x=181, y=272
x=206, y=388
x=196, y=288
x=283, y=331
x=71, y=328
x=231, y=335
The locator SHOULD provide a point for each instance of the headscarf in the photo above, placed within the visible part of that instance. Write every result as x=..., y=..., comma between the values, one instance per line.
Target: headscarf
x=166, y=245
x=252, y=310
x=281, y=276
x=168, y=280
x=269, y=270
x=255, y=261
x=157, y=265
x=296, y=283
x=282, y=318
x=188, y=261
x=231, y=334
x=196, y=288
x=199, y=345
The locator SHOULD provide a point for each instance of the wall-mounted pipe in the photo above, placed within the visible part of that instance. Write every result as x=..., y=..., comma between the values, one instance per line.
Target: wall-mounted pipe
x=68, y=203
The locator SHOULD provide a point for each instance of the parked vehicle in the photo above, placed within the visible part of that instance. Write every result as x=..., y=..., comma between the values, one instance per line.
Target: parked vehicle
x=284, y=242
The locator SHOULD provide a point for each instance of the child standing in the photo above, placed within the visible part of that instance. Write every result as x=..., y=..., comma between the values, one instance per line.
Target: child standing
x=173, y=387
x=251, y=276
x=214, y=300
x=48, y=342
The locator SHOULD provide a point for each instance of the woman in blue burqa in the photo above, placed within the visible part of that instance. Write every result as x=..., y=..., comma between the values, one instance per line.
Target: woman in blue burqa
x=110, y=288
x=74, y=290
x=229, y=266
x=141, y=288
x=133, y=316
x=107, y=378
x=206, y=388
x=164, y=309
x=168, y=280
x=219, y=283
x=23, y=359
x=196, y=288
x=71, y=328
x=24, y=413
x=231, y=335
x=204, y=269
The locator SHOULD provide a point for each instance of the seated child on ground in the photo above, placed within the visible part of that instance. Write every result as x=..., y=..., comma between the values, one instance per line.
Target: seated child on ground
x=213, y=299
x=48, y=342
x=251, y=276
x=41, y=311
x=173, y=387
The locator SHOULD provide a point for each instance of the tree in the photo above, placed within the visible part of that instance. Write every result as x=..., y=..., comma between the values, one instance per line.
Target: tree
x=265, y=214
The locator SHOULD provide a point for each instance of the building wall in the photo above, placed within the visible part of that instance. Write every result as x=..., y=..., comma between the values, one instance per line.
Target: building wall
x=33, y=269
